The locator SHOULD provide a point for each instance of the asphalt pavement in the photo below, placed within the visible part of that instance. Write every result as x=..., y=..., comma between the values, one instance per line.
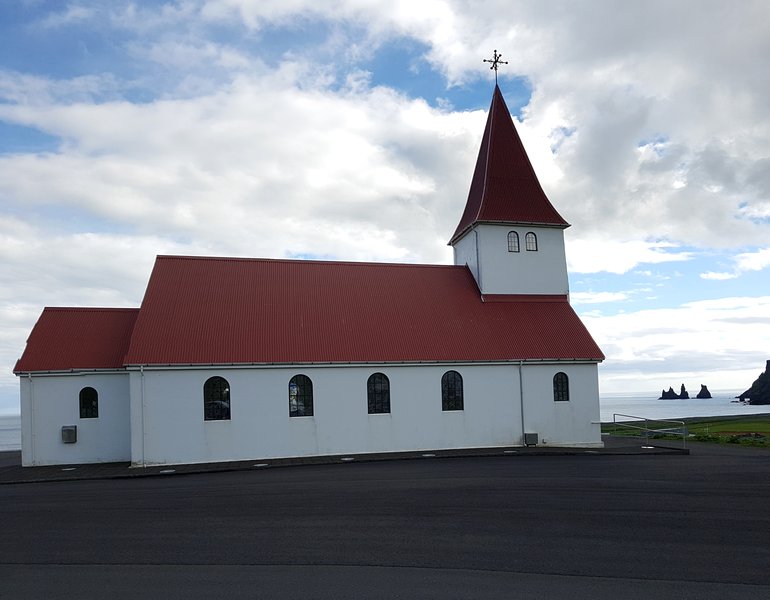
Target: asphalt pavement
x=496, y=526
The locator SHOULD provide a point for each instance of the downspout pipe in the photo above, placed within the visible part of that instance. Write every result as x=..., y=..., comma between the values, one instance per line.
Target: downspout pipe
x=141, y=374
x=31, y=420
x=521, y=398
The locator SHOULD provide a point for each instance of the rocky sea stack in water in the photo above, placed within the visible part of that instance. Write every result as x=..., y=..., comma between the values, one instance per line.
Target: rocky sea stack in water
x=683, y=393
x=759, y=392
x=672, y=395
x=704, y=392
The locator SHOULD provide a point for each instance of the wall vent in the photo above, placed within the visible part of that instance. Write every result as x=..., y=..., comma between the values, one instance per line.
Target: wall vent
x=69, y=434
x=530, y=439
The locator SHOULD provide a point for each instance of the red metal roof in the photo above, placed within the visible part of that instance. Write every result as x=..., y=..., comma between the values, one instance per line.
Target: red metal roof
x=504, y=188
x=230, y=310
x=66, y=339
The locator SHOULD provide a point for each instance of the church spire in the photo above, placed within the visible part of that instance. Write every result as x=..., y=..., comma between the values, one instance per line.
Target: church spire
x=504, y=188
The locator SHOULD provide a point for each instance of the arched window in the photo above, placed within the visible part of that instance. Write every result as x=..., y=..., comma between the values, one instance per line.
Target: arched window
x=378, y=393
x=513, y=241
x=560, y=387
x=89, y=403
x=300, y=396
x=452, y=391
x=530, y=242
x=216, y=399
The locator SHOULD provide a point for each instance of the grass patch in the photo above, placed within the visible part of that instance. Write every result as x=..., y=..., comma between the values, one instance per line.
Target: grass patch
x=746, y=430
x=751, y=430
x=749, y=424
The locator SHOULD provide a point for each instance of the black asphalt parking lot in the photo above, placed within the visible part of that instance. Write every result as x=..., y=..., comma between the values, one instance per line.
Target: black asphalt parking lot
x=560, y=526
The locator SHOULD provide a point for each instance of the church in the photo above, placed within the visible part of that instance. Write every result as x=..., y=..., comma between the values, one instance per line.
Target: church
x=232, y=359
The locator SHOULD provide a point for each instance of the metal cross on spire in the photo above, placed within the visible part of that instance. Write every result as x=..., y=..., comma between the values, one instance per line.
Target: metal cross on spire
x=496, y=62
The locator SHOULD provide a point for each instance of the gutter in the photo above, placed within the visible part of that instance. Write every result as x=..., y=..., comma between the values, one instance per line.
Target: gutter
x=415, y=363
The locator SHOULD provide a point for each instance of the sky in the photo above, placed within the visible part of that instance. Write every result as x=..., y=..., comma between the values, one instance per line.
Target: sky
x=349, y=129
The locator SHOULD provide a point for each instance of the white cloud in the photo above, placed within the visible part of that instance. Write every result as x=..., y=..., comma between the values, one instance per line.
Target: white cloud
x=753, y=261
x=73, y=13
x=718, y=275
x=368, y=161
x=577, y=298
x=618, y=256
x=745, y=262
x=239, y=146
x=714, y=342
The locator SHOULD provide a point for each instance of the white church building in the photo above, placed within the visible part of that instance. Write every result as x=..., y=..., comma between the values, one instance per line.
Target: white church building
x=233, y=359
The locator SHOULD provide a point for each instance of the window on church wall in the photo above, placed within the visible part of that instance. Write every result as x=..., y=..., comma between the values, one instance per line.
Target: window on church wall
x=452, y=391
x=89, y=403
x=513, y=241
x=378, y=393
x=216, y=399
x=560, y=387
x=530, y=242
x=300, y=396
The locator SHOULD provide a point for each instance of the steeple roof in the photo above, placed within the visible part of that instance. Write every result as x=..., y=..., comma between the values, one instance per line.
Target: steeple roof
x=505, y=188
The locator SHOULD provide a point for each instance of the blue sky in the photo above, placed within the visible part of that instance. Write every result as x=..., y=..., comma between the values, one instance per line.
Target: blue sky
x=349, y=130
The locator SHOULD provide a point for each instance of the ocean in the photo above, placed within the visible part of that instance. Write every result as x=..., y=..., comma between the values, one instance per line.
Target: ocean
x=722, y=403
x=636, y=405
x=10, y=432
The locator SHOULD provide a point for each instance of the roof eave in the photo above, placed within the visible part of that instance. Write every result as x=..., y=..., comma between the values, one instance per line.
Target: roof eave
x=461, y=234
x=404, y=363
x=71, y=371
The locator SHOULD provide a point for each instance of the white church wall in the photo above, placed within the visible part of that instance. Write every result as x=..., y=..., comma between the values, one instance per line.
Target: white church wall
x=52, y=401
x=571, y=423
x=465, y=253
x=543, y=271
x=260, y=427
x=168, y=426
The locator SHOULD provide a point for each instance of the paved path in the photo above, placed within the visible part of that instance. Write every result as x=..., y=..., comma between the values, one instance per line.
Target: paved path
x=561, y=526
x=11, y=470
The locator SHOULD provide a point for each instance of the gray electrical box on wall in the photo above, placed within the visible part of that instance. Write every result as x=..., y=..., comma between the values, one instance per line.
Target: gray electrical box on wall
x=69, y=434
x=530, y=439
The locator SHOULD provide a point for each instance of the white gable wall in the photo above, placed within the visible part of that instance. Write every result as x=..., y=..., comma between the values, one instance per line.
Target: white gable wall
x=466, y=253
x=485, y=250
x=52, y=401
x=167, y=405
x=574, y=423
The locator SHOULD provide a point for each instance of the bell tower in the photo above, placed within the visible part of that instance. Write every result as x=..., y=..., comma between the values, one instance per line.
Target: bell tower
x=510, y=235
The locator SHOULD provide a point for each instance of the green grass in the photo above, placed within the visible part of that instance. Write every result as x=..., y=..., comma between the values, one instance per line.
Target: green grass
x=748, y=424
x=719, y=430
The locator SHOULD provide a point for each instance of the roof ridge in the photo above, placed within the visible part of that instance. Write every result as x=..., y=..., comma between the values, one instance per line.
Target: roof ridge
x=92, y=308
x=495, y=94
x=304, y=261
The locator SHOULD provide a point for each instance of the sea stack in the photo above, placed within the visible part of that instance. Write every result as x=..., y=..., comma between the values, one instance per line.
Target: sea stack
x=759, y=392
x=704, y=392
x=668, y=395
